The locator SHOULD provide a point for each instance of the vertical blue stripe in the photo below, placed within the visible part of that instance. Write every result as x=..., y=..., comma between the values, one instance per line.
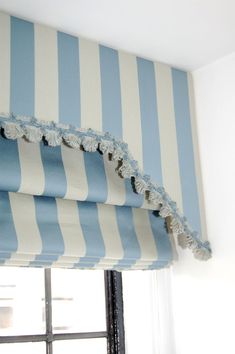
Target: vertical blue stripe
x=185, y=148
x=48, y=224
x=161, y=237
x=69, y=79
x=149, y=120
x=96, y=177
x=89, y=220
x=128, y=236
x=97, y=191
x=112, y=106
x=10, y=172
x=110, y=91
x=8, y=237
x=55, y=178
x=22, y=67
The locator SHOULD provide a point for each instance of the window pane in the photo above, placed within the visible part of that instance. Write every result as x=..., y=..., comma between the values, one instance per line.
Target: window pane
x=83, y=346
x=78, y=303
x=23, y=348
x=21, y=301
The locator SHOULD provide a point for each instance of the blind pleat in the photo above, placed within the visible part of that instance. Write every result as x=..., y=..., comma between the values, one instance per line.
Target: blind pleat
x=39, y=169
x=38, y=231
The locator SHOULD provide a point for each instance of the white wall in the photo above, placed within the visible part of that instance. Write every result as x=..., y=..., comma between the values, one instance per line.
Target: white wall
x=204, y=293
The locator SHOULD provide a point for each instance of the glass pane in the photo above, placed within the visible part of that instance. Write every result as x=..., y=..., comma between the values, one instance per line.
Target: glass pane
x=83, y=346
x=78, y=300
x=21, y=301
x=23, y=348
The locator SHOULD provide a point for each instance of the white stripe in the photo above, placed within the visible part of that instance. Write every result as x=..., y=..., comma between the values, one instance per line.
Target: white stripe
x=115, y=184
x=73, y=161
x=46, y=73
x=68, y=217
x=145, y=237
x=62, y=265
x=105, y=266
x=197, y=157
x=131, y=121
x=67, y=260
x=18, y=262
x=91, y=110
x=28, y=235
x=5, y=63
x=167, y=130
x=32, y=172
x=139, y=267
x=109, y=229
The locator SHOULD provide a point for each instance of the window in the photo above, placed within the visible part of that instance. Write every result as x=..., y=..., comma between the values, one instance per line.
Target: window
x=58, y=311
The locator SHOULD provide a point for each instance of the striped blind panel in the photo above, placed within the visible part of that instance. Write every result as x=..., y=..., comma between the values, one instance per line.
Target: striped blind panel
x=55, y=76
x=59, y=78
x=63, y=207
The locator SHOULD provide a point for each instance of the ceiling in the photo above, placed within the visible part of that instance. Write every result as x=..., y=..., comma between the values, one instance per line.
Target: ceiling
x=184, y=33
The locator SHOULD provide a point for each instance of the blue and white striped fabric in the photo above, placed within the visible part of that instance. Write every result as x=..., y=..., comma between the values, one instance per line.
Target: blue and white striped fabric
x=54, y=76
x=46, y=231
x=63, y=172
x=68, y=208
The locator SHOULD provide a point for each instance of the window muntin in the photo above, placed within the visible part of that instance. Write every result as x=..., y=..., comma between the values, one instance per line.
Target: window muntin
x=104, y=288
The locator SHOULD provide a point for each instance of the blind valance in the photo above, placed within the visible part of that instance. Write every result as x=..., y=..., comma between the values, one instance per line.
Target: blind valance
x=76, y=198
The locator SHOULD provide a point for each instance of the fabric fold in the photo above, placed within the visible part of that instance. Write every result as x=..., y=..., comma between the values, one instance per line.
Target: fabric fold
x=46, y=231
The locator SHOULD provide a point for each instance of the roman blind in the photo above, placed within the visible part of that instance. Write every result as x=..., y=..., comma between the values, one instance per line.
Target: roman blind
x=71, y=193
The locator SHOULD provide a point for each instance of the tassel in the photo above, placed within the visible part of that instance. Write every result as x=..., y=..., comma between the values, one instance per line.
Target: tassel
x=72, y=140
x=89, y=144
x=53, y=137
x=106, y=147
x=13, y=131
x=33, y=134
x=117, y=154
x=126, y=170
x=165, y=210
x=140, y=185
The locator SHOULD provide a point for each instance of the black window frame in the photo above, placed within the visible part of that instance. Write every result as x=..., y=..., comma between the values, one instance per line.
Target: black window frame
x=114, y=333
